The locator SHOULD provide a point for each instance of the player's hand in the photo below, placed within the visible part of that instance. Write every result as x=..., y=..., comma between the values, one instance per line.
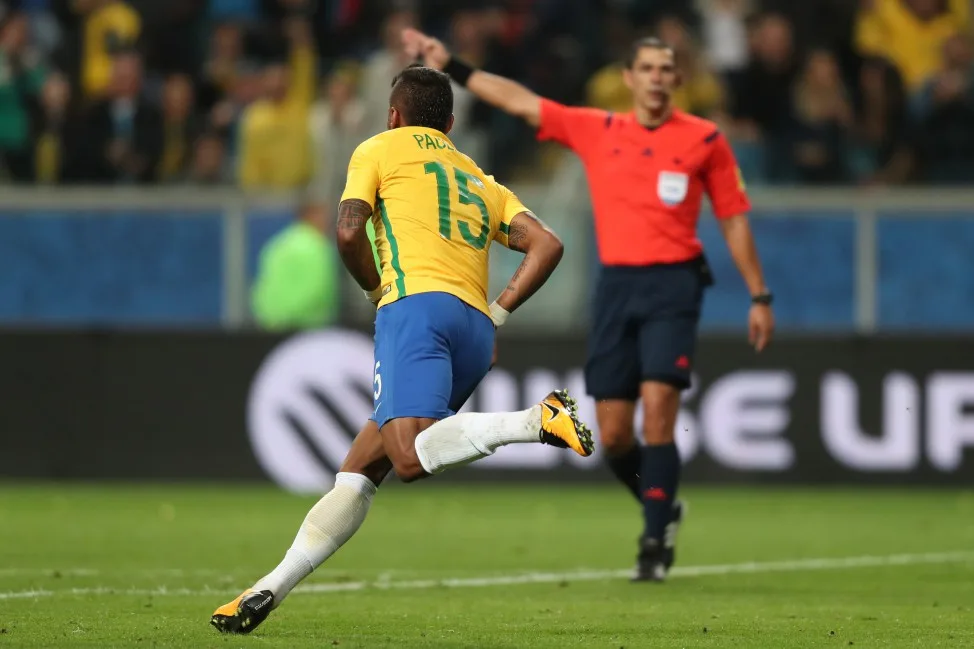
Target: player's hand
x=374, y=296
x=417, y=44
x=760, y=326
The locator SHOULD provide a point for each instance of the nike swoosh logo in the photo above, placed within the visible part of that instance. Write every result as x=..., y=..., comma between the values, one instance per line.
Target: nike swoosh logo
x=552, y=411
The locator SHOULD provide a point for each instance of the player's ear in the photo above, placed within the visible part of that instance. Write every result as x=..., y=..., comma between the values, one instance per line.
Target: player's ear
x=677, y=79
x=395, y=119
x=449, y=126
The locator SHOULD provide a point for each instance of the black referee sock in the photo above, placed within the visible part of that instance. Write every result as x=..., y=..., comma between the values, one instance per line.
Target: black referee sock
x=659, y=478
x=626, y=469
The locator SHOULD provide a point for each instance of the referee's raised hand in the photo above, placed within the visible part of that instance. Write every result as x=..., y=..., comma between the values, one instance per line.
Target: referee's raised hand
x=420, y=46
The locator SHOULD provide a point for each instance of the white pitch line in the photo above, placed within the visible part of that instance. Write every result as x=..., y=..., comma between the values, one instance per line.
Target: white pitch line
x=796, y=565
x=142, y=572
x=68, y=572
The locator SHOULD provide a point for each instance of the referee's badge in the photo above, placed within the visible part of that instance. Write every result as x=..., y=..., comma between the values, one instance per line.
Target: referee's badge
x=672, y=187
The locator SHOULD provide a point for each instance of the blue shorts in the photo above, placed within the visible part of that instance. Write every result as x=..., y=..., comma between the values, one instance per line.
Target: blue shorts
x=431, y=352
x=644, y=328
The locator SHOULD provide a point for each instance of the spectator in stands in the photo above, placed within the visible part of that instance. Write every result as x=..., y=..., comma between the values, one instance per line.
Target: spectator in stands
x=724, y=30
x=222, y=65
x=54, y=132
x=123, y=134
x=235, y=10
x=606, y=89
x=21, y=78
x=380, y=69
x=700, y=92
x=169, y=40
x=336, y=127
x=782, y=125
x=209, y=165
x=45, y=31
x=108, y=27
x=469, y=31
x=179, y=127
x=910, y=33
x=298, y=279
x=882, y=134
x=823, y=118
x=275, y=151
x=826, y=24
x=762, y=104
x=944, y=112
x=649, y=13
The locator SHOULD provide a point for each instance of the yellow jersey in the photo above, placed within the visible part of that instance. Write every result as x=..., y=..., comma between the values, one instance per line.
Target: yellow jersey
x=275, y=150
x=113, y=26
x=434, y=211
x=889, y=29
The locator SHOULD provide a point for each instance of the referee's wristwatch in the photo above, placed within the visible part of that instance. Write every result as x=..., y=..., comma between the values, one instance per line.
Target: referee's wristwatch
x=764, y=298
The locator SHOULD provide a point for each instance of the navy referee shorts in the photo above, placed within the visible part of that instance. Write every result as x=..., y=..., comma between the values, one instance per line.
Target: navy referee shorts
x=644, y=327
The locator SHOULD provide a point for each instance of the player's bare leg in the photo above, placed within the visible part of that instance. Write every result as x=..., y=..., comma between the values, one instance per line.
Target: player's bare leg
x=330, y=523
x=419, y=448
x=659, y=479
x=619, y=444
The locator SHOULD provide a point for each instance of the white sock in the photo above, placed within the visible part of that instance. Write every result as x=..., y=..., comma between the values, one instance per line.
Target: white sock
x=461, y=439
x=330, y=523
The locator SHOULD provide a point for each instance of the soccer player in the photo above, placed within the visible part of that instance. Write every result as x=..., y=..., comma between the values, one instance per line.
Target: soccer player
x=435, y=215
x=647, y=171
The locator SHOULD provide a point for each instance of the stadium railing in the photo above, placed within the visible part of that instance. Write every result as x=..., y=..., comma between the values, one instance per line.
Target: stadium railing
x=839, y=260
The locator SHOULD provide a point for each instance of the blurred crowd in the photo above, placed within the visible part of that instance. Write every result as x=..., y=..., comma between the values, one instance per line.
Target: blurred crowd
x=274, y=94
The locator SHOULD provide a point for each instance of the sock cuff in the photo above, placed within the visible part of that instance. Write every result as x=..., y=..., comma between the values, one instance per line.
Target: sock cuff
x=425, y=460
x=356, y=481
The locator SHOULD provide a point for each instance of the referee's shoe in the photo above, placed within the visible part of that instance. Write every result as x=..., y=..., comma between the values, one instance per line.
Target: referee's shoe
x=656, y=556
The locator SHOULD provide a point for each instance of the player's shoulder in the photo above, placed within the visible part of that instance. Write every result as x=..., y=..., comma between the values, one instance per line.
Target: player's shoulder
x=374, y=145
x=595, y=116
x=694, y=126
x=469, y=167
x=500, y=190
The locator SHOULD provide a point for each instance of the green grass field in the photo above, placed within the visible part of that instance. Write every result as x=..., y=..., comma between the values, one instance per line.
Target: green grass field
x=481, y=567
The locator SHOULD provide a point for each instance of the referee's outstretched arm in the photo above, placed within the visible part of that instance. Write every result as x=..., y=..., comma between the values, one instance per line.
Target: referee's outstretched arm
x=500, y=92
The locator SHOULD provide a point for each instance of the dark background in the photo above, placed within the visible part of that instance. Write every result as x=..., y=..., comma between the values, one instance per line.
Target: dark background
x=148, y=405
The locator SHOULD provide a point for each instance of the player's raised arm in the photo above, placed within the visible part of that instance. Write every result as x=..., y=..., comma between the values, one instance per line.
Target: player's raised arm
x=500, y=92
x=542, y=251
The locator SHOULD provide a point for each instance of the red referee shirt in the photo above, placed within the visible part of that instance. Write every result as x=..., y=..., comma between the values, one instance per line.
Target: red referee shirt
x=646, y=184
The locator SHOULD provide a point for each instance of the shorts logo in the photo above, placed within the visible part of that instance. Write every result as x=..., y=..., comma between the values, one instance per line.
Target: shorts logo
x=672, y=186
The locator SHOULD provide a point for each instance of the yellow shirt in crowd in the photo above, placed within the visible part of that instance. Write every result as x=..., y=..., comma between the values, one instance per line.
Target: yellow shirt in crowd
x=106, y=29
x=889, y=29
x=700, y=93
x=275, y=150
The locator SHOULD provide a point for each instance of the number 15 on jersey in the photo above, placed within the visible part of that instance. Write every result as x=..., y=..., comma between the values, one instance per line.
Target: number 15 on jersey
x=465, y=197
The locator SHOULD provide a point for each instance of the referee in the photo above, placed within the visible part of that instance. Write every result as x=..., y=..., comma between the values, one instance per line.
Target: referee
x=647, y=172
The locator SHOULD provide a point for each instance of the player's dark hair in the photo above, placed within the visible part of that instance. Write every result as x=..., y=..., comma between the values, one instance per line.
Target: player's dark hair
x=647, y=43
x=423, y=96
